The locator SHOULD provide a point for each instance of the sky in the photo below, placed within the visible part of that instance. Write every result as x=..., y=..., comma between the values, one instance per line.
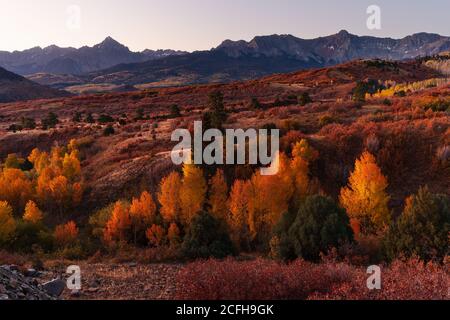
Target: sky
x=202, y=24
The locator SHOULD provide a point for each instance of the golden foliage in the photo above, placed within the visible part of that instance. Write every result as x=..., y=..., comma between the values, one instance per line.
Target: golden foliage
x=7, y=222
x=169, y=197
x=142, y=213
x=15, y=188
x=238, y=207
x=118, y=226
x=218, y=196
x=192, y=193
x=32, y=213
x=365, y=197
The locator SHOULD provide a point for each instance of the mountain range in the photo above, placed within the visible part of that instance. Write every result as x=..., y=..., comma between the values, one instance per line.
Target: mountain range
x=56, y=60
x=242, y=60
x=111, y=66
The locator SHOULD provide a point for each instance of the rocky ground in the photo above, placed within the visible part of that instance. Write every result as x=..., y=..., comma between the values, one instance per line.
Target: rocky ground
x=128, y=281
x=18, y=285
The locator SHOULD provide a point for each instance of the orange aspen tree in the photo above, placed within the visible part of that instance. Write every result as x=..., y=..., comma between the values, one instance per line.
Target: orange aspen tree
x=15, y=188
x=302, y=155
x=155, y=235
x=169, y=197
x=7, y=222
x=118, y=226
x=142, y=213
x=238, y=208
x=365, y=197
x=269, y=198
x=218, y=196
x=32, y=213
x=66, y=234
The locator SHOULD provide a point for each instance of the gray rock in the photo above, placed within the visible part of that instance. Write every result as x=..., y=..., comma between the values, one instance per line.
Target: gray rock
x=55, y=287
x=31, y=273
x=15, y=286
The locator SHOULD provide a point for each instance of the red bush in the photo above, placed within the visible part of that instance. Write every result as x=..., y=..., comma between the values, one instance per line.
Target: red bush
x=410, y=280
x=257, y=280
x=268, y=280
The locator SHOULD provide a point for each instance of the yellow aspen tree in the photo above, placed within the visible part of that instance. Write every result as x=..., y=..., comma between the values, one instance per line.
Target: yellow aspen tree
x=192, y=193
x=365, y=197
x=40, y=160
x=7, y=222
x=71, y=166
x=60, y=193
x=32, y=213
x=142, y=213
x=15, y=188
x=269, y=198
x=218, y=196
x=169, y=197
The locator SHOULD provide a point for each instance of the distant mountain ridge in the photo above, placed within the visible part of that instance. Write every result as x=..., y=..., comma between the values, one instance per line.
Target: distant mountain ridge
x=16, y=88
x=56, y=60
x=264, y=55
x=338, y=48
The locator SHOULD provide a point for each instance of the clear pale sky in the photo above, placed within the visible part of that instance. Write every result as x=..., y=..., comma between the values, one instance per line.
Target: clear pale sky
x=203, y=24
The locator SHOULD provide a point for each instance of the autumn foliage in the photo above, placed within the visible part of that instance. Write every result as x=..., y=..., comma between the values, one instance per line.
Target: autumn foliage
x=268, y=280
x=7, y=223
x=365, y=198
x=32, y=213
x=66, y=234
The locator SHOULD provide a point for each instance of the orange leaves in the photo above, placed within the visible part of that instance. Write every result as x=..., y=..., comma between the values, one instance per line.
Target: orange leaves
x=365, y=198
x=218, y=196
x=7, y=222
x=15, y=188
x=66, y=234
x=302, y=156
x=192, y=193
x=71, y=167
x=169, y=198
x=58, y=183
x=155, y=235
x=142, y=213
x=143, y=210
x=118, y=226
x=32, y=213
x=130, y=221
x=238, y=207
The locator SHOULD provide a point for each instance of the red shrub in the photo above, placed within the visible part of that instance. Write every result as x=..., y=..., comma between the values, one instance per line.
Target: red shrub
x=257, y=280
x=268, y=280
x=410, y=280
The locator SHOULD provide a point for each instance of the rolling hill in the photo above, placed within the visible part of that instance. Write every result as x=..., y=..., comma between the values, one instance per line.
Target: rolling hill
x=16, y=88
